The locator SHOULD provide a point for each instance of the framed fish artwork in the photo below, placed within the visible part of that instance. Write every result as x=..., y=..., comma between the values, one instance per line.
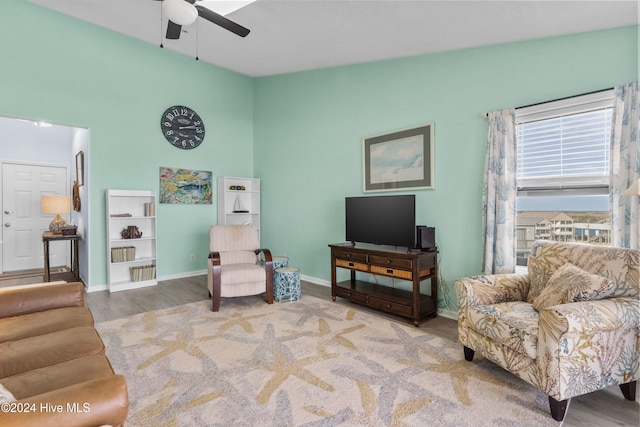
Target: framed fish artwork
x=185, y=186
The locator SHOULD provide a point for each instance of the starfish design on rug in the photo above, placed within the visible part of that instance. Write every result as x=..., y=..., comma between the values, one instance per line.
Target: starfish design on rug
x=390, y=384
x=325, y=332
x=188, y=393
x=458, y=369
x=238, y=318
x=269, y=342
x=412, y=344
x=283, y=367
x=181, y=343
x=309, y=311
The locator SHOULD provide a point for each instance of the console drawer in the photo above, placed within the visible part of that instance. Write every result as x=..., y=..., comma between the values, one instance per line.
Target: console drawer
x=388, y=271
x=351, y=295
x=390, y=307
x=391, y=262
x=350, y=256
x=352, y=265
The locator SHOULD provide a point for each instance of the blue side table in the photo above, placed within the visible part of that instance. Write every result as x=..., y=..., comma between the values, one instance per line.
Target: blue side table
x=277, y=262
x=287, y=284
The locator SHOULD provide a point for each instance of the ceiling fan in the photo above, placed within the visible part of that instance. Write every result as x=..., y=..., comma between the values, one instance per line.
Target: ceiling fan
x=185, y=12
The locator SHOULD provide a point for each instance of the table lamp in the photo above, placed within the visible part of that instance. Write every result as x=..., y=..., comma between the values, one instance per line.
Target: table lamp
x=56, y=205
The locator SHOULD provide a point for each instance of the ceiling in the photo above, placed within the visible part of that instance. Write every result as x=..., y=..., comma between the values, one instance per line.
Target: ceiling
x=295, y=35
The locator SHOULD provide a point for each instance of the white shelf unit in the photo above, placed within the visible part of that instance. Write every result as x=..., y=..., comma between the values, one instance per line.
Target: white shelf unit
x=131, y=202
x=248, y=199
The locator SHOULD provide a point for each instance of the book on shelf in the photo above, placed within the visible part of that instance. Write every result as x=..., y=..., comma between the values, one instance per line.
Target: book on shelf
x=123, y=254
x=143, y=272
x=150, y=209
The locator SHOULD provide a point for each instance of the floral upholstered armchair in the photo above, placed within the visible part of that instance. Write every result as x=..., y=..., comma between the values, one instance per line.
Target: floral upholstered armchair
x=569, y=327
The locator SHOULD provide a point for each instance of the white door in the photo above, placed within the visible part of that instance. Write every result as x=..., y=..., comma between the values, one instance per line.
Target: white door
x=23, y=186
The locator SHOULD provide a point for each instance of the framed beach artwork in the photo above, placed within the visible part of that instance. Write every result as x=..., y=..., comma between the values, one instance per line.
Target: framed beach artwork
x=185, y=186
x=401, y=160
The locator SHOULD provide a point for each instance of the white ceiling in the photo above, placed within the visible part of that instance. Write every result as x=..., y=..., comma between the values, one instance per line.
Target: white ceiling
x=295, y=35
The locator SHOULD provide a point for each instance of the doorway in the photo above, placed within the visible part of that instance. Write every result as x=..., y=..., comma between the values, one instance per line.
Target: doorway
x=37, y=159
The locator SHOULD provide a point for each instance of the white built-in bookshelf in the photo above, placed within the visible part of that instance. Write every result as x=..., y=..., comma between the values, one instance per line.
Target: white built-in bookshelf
x=131, y=257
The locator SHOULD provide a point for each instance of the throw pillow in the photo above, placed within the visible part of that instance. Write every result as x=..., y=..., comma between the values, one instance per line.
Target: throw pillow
x=5, y=395
x=572, y=284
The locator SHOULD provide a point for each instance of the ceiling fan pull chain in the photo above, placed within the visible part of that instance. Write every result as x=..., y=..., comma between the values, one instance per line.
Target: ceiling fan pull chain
x=197, y=34
x=161, y=46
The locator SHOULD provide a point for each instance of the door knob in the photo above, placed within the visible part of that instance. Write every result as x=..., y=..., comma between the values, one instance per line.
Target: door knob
x=6, y=224
x=7, y=212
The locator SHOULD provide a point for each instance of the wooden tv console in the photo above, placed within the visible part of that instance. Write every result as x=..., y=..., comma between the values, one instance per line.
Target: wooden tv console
x=400, y=264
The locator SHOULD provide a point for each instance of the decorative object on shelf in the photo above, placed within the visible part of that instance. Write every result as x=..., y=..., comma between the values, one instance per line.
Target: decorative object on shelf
x=185, y=186
x=56, y=205
x=69, y=230
x=131, y=232
x=182, y=127
x=80, y=168
x=238, y=207
x=400, y=160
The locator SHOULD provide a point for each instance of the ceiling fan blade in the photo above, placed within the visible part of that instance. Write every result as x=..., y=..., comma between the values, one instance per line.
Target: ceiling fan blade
x=220, y=20
x=173, y=30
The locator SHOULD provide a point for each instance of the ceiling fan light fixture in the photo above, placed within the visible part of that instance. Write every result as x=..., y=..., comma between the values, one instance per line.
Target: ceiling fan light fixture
x=180, y=12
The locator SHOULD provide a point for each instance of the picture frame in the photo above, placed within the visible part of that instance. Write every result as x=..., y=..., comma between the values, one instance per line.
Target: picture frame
x=80, y=168
x=186, y=186
x=400, y=160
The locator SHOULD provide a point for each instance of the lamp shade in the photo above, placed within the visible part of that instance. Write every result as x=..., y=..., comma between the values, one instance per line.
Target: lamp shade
x=634, y=190
x=56, y=204
x=180, y=12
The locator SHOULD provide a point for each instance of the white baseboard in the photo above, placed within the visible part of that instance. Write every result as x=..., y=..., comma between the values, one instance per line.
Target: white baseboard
x=183, y=275
x=315, y=280
x=104, y=287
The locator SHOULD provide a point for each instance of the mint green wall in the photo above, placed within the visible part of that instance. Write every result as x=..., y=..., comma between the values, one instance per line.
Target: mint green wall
x=303, y=131
x=309, y=126
x=59, y=69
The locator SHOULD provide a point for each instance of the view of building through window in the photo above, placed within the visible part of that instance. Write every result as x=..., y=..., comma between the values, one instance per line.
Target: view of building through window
x=566, y=219
x=563, y=172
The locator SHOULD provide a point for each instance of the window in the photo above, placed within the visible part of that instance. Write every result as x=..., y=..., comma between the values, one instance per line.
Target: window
x=563, y=171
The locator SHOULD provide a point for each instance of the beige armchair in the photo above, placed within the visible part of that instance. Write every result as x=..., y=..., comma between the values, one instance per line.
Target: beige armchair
x=569, y=327
x=233, y=267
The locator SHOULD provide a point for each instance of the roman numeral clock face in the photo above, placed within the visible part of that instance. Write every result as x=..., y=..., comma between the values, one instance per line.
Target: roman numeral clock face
x=182, y=127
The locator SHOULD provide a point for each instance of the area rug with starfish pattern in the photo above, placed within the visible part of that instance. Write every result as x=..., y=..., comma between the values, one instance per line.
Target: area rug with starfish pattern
x=312, y=362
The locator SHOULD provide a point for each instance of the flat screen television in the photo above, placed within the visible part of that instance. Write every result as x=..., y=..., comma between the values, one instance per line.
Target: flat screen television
x=381, y=220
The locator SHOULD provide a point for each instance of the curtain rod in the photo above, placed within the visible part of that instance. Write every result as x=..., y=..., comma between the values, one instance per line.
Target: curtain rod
x=485, y=115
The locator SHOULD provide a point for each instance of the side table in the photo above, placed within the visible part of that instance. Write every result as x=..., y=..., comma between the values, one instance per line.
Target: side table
x=47, y=237
x=287, y=284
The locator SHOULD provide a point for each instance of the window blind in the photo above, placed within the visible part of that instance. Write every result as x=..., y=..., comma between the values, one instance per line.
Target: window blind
x=564, y=145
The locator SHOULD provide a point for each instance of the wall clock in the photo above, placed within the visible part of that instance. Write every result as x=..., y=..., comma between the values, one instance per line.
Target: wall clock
x=182, y=127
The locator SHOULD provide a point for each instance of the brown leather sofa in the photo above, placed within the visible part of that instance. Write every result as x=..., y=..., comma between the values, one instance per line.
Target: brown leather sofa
x=52, y=361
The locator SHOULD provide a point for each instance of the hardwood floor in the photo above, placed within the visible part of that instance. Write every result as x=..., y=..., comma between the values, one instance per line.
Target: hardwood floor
x=599, y=409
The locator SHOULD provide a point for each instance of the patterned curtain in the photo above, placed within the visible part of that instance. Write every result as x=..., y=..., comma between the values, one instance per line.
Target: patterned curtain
x=625, y=167
x=499, y=194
